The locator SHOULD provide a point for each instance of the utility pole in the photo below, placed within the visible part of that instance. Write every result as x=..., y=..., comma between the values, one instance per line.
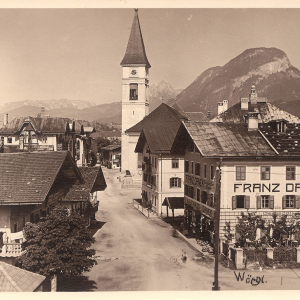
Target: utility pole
x=217, y=226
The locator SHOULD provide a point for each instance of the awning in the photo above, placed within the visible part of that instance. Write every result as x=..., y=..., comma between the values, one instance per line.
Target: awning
x=174, y=202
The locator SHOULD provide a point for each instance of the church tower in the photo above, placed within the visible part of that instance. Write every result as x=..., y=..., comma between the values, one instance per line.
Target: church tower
x=135, y=85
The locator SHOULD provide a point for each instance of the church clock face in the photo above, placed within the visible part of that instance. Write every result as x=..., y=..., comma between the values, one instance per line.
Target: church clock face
x=133, y=72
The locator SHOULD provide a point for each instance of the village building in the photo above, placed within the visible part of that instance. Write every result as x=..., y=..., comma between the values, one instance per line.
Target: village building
x=250, y=165
x=135, y=99
x=162, y=184
x=49, y=134
x=111, y=157
x=45, y=181
x=238, y=113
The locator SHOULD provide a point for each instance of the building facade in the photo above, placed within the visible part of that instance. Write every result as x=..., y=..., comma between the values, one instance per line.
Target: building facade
x=49, y=134
x=45, y=181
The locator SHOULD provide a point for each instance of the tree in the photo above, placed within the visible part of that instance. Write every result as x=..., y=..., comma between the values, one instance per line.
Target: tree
x=58, y=245
x=246, y=228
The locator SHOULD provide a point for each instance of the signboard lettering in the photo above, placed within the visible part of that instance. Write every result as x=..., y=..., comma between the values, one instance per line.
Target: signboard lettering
x=204, y=209
x=196, y=181
x=263, y=188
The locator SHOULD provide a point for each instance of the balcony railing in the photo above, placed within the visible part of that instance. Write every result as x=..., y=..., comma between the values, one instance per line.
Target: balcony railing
x=11, y=249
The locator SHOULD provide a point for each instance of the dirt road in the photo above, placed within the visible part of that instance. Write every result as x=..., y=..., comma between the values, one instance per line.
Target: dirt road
x=135, y=253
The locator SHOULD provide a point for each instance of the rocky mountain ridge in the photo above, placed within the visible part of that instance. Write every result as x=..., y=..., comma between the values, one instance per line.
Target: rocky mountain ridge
x=268, y=68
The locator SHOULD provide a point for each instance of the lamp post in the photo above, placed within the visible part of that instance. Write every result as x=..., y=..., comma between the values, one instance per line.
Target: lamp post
x=217, y=229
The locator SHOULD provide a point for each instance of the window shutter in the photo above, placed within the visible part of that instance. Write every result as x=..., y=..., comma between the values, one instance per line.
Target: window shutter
x=271, y=202
x=247, y=202
x=233, y=202
x=170, y=182
x=258, y=202
x=297, y=201
x=283, y=202
x=179, y=182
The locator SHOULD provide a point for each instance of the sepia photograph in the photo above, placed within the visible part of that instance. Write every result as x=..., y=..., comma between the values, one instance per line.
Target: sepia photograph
x=150, y=148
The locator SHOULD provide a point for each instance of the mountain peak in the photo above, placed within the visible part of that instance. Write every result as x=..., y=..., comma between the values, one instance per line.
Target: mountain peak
x=268, y=68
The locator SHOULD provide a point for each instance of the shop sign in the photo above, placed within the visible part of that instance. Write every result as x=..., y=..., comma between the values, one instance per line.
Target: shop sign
x=190, y=180
x=202, y=208
x=264, y=188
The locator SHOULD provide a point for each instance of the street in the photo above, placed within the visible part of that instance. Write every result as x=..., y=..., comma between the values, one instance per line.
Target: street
x=135, y=253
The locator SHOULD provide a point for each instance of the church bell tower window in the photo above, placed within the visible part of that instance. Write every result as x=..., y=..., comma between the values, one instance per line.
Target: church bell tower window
x=133, y=91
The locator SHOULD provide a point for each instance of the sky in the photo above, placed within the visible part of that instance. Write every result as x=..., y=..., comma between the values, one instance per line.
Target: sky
x=75, y=53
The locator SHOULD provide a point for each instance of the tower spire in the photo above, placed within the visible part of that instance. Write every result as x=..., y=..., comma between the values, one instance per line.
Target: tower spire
x=135, y=52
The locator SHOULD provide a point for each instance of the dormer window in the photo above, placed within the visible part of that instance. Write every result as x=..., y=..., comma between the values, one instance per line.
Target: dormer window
x=281, y=126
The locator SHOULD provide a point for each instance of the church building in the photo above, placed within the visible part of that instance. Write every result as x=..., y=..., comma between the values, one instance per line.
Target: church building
x=135, y=103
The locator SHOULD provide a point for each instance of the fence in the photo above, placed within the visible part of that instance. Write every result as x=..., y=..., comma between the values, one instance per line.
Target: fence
x=225, y=249
x=255, y=254
x=285, y=254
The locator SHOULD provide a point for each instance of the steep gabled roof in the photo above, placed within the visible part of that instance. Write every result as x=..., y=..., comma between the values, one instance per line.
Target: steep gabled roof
x=159, y=129
x=163, y=115
x=13, y=279
x=93, y=181
x=267, y=113
x=27, y=177
x=223, y=140
x=135, y=52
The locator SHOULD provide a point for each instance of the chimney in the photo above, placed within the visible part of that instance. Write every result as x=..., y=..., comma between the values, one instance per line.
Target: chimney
x=5, y=121
x=253, y=95
x=42, y=112
x=244, y=103
x=222, y=106
x=253, y=120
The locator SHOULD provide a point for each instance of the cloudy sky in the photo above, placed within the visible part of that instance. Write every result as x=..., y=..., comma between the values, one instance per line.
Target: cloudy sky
x=76, y=53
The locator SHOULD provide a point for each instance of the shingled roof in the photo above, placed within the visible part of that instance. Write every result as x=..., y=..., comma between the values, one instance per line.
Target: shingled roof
x=163, y=115
x=135, y=52
x=286, y=143
x=93, y=181
x=224, y=140
x=13, y=279
x=43, y=125
x=159, y=129
x=26, y=177
x=267, y=112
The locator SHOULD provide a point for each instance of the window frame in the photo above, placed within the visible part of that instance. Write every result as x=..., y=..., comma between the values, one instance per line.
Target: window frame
x=197, y=169
x=133, y=92
x=212, y=172
x=175, y=182
x=175, y=163
x=205, y=171
x=262, y=173
x=240, y=172
x=289, y=173
x=186, y=166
